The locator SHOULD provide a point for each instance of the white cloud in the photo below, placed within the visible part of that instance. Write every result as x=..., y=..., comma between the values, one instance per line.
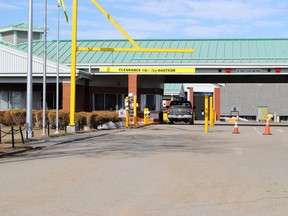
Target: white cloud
x=230, y=10
x=170, y=18
x=266, y=24
x=158, y=8
x=214, y=31
x=9, y=6
x=209, y=9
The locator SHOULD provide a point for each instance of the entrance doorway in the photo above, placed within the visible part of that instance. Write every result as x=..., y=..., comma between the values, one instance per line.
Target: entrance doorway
x=199, y=98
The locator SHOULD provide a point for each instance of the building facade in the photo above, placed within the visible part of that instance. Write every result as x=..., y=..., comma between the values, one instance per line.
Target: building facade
x=234, y=67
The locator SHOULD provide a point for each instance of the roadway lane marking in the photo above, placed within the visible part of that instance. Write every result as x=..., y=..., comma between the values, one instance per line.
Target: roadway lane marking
x=280, y=130
x=257, y=131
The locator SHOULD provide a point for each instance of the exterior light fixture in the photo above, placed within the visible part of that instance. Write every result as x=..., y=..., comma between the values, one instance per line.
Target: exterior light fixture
x=277, y=70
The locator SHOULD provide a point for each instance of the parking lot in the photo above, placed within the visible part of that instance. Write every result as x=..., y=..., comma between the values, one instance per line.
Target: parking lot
x=155, y=170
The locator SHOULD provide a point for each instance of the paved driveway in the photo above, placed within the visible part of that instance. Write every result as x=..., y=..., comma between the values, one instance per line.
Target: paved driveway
x=157, y=170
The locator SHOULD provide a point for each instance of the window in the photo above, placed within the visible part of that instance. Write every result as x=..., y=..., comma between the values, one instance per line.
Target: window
x=151, y=102
x=108, y=101
x=18, y=100
x=4, y=103
x=98, y=101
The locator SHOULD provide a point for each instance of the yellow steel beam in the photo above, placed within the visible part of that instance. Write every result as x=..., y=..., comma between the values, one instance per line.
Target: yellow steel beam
x=74, y=49
x=134, y=49
x=110, y=18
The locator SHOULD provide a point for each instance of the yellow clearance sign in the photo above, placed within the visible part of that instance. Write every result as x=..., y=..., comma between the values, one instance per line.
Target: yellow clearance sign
x=147, y=70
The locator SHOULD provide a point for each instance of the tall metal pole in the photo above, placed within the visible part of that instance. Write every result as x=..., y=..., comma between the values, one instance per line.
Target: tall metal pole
x=44, y=68
x=57, y=77
x=73, y=65
x=29, y=90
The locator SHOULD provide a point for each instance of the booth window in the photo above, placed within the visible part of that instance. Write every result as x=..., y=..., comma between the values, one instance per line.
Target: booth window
x=108, y=101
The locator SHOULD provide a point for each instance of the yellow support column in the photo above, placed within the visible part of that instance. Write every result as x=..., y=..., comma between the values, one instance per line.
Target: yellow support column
x=73, y=65
x=212, y=120
x=206, y=111
x=135, y=116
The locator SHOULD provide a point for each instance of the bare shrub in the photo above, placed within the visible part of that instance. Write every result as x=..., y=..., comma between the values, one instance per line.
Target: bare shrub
x=106, y=116
x=81, y=118
x=14, y=117
x=91, y=120
x=38, y=118
x=2, y=116
x=63, y=118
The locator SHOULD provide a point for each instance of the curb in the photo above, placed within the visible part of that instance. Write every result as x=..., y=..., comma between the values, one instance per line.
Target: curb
x=52, y=141
x=29, y=148
x=41, y=143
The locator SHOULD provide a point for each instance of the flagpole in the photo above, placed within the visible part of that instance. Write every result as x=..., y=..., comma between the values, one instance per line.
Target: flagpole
x=57, y=77
x=44, y=68
x=29, y=91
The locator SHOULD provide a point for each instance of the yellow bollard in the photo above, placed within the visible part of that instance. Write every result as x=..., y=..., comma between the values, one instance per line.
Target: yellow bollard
x=206, y=112
x=165, y=117
x=213, y=116
x=146, y=116
x=212, y=120
x=127, y=112
x=135, y=116
x=144, y=121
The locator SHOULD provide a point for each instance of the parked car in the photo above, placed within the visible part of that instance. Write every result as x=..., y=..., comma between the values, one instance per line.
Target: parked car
x=181, y=111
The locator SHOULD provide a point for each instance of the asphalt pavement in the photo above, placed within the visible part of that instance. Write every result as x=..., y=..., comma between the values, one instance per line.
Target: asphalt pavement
x=151, y=171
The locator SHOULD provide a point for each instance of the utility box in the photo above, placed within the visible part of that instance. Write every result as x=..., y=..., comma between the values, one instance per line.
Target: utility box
x=262, y=113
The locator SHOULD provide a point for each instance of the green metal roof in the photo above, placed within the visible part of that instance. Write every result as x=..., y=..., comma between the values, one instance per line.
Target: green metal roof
x=206, y=51
x=21, y=26
x=172, y=88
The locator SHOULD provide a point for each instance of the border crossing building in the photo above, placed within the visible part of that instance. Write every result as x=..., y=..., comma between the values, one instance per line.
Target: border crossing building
x=243, y=74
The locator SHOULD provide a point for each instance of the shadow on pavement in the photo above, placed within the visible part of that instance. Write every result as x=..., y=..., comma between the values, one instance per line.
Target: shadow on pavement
x=134, y=143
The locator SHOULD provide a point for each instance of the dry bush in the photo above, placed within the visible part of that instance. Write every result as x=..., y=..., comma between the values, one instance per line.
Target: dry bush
x=91, y=120
x=14, y=118
x=63, y=118
x=105, y=116
x=38, y=118
x=80, y=117
x=7, y=118
x=1, y=116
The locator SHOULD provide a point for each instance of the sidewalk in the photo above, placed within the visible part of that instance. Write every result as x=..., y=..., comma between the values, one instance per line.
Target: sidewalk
x=51, y=141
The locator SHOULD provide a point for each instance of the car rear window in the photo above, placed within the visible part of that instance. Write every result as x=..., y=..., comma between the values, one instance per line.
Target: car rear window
x=184, y=104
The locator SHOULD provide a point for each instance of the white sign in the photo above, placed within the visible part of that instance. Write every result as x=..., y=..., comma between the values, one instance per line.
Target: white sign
x=249, y=71
x=122, y=113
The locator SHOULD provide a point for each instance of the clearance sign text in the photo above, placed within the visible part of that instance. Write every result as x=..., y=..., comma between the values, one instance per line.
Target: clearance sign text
x=146, y=70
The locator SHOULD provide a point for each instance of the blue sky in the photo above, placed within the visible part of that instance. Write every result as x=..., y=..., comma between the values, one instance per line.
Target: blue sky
x=160, y=19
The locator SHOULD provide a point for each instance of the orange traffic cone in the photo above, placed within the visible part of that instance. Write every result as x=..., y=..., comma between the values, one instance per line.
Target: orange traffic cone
x=236, y=131
x=267, y=129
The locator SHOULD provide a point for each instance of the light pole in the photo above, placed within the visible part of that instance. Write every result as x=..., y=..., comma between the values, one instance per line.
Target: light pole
x=29, y=90
x=44, y=68
x=57, y=77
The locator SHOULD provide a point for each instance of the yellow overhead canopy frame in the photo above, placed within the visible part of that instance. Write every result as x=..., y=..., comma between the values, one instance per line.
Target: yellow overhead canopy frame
x=74, y=49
